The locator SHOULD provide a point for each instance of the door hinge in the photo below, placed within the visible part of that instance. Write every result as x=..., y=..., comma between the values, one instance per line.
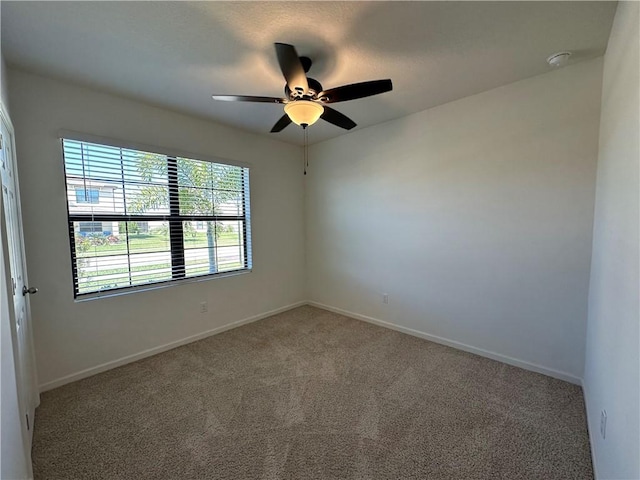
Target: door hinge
x=13, y=284
x=27, y=415
x=0, y=141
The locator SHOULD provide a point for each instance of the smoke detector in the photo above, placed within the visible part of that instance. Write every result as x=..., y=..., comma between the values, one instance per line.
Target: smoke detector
x=559, y=59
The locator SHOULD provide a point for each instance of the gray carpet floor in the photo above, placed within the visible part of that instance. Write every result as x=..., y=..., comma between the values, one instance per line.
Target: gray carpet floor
x=308, y=394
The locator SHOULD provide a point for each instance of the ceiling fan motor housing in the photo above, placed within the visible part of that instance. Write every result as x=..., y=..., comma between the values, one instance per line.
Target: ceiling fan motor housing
x=314, y=88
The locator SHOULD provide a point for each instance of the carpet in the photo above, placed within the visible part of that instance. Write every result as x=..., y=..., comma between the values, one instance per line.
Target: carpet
x=310, y=394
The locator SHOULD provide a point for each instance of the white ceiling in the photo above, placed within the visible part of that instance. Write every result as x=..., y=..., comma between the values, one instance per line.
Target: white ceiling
x=176, y=54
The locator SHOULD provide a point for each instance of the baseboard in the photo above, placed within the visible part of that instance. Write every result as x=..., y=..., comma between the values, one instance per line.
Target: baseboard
x=159, y=349
x=458, y=345
x=590, y=431
x=416, y=333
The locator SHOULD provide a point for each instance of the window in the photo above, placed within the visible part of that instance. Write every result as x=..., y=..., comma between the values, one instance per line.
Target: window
x=138, y=218
x=87, y=195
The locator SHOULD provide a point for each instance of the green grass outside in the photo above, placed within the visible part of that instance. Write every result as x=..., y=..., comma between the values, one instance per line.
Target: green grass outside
x=98, y=284
x=149, y=243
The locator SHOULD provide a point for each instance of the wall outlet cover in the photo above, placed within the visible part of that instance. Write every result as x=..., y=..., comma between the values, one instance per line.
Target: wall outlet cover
x=603, y=424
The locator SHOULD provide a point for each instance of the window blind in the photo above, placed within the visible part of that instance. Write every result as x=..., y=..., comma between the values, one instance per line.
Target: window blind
x=139, y=218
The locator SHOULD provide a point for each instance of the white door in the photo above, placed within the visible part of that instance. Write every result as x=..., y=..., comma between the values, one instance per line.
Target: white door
x=28, y=397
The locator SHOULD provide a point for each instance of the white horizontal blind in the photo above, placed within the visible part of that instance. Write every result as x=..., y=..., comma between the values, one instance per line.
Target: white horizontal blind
x=138, y=217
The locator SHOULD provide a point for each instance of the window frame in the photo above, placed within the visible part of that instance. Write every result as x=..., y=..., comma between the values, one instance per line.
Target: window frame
x=174, y=218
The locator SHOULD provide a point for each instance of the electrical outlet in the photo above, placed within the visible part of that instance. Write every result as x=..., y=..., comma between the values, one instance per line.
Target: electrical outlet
x=603, y=423
x=203, y=307
x=385, y=298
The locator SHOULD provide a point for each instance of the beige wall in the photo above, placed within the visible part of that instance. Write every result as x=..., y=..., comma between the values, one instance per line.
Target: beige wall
x=475, y=217
x=71, y=337
x=612, y=370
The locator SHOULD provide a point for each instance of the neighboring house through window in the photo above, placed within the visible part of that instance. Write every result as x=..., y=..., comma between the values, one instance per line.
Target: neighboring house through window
x=90, y=227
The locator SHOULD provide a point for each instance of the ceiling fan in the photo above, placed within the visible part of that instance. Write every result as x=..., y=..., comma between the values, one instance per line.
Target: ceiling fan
x=305, y=101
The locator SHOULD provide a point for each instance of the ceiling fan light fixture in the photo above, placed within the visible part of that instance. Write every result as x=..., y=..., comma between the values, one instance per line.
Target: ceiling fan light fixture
x=304, y=112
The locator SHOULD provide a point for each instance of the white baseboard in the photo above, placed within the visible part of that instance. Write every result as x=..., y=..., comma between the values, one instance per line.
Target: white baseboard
x=161, y=348
x=591, y=432
x=458, y=345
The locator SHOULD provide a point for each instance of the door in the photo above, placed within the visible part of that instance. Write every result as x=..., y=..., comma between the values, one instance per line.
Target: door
x=19, y=291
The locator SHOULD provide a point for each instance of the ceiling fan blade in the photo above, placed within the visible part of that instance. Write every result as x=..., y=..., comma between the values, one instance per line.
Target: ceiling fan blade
x=281, y=124
x=291, y=67
x=248, y=98
x=333, y=116
x=355, y=90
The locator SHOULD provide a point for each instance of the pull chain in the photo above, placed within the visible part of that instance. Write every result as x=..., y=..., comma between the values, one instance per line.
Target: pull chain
x=305, y=158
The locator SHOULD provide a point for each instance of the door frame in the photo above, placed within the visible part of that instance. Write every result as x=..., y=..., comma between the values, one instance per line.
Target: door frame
x=32, y=395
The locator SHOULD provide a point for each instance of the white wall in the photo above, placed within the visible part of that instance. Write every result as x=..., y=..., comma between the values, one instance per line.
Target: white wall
x=474, y=216
x=612, y=371
x=71, y=337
